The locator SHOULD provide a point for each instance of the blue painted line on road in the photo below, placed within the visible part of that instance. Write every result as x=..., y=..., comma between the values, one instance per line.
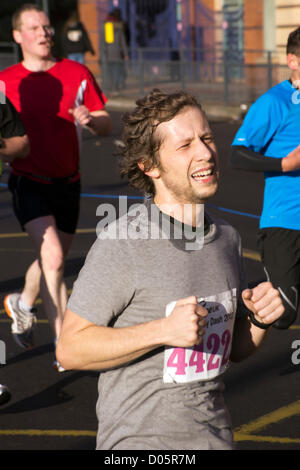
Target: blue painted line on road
x=224, y=209
x=110, y=196
x=116, y=196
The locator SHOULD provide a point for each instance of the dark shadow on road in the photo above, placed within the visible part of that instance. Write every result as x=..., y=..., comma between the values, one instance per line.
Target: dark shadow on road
x=291, y=369
x=30, y=354
x=51, y=396
x=248, y=372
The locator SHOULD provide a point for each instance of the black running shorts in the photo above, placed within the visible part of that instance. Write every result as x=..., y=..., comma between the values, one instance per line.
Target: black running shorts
x=280, y=253
x=32, y=200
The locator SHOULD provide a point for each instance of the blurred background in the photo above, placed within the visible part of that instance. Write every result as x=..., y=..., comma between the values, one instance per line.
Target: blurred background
x=229, y=50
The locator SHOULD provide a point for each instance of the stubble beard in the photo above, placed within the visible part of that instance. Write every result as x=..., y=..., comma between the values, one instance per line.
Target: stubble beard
x=191, y=196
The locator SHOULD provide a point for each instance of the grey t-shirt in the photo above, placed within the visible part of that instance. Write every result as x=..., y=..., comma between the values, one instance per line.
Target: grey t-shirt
x=170, y=398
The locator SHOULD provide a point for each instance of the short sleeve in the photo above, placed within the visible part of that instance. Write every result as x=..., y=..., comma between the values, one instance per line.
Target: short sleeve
x=260, y=124
x=104, y=286
x=93, y=98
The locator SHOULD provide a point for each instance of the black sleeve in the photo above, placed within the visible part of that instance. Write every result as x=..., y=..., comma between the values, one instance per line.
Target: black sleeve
x=243, y=158
x=10, y=121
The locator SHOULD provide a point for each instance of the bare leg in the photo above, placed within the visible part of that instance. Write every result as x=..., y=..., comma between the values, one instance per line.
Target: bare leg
x=48, y=243
x=32, y=283
x=31, y=288
x=66, y=242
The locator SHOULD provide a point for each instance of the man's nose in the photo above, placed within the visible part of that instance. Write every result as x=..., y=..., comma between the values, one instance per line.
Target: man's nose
x=203, y=151
x=43, y=31
x=48, y=31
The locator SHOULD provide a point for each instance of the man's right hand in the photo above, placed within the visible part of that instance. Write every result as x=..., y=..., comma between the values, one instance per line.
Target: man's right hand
x=292, y=161
x=185, y=326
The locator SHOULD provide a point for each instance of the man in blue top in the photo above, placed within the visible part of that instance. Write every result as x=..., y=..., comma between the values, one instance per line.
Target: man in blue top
x=268, y=141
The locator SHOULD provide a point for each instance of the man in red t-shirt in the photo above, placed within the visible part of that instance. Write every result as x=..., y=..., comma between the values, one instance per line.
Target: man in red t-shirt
x=55, y=99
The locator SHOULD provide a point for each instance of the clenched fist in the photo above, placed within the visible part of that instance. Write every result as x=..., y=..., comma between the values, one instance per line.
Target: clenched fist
x=185, y=326
x=292, y=161
x=82, y=115
x=264, y=302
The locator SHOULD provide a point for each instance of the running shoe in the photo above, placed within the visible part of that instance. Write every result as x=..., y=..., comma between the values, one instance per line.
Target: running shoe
x=23, y=323
x=57, y=366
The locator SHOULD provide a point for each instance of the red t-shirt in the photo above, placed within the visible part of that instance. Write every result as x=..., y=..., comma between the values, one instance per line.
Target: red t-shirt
x=43, y=100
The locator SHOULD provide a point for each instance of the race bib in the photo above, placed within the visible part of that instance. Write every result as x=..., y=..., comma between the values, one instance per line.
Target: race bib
x=209, y=359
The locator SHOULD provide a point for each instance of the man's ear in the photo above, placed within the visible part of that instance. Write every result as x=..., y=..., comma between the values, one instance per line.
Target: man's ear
x=17, y=36
x=292, y=62
x=152, y=173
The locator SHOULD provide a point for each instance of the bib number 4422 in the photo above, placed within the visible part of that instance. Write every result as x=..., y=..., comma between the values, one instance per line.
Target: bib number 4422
x=203, y=358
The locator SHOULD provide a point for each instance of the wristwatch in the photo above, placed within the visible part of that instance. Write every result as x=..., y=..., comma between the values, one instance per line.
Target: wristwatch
x=263, y=326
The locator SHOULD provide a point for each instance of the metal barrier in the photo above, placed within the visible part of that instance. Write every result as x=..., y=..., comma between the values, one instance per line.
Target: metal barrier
x=214, y=75
x=206, y=72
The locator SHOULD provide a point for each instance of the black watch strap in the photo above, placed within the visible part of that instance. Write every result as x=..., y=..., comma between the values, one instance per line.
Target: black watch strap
x=263, y=326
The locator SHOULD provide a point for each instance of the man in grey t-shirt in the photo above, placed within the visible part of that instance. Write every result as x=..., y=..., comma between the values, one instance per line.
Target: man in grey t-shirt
x=161, y=304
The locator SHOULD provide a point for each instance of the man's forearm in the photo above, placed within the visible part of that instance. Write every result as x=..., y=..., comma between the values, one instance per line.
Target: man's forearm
x=246, y=340
x=245, y=159
x=100, y=123
x=108, y=348
x=261, y=307
x=14, y=147
x=84, y=345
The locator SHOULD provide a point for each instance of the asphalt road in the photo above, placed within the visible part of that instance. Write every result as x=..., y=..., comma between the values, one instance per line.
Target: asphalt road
x=51, y=410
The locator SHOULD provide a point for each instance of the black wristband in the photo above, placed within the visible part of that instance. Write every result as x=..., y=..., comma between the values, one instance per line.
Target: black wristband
x=263, y=326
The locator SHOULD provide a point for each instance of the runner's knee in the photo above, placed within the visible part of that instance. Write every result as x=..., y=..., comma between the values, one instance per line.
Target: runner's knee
x=52, y=257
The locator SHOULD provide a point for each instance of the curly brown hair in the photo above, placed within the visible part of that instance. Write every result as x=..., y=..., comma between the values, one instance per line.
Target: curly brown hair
x=141, y=142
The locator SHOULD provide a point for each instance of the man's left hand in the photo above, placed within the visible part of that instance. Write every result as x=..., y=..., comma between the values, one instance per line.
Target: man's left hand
x=264, y=302
x=82, y=115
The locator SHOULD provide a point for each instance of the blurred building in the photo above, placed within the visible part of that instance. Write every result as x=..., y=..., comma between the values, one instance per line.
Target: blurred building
x=244, y=29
